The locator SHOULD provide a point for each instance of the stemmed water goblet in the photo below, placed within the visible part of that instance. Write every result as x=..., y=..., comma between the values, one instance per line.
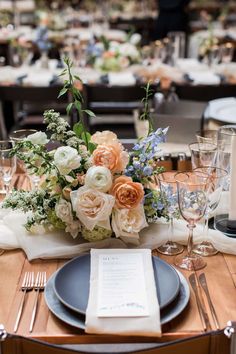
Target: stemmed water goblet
x=203, y=154
x=7, y=163
x=192, y=198
x=217, y=178
x=168, y=189
x=18, y=136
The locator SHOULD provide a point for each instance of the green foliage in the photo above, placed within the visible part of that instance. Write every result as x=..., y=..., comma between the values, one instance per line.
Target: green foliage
x=77, y=102
x=146, y=110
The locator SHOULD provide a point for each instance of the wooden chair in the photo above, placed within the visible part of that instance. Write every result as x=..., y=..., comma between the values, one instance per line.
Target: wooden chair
x=205, y=93
x=15, y=98
x=184, y=119
x=208, y=343
x=112, y=104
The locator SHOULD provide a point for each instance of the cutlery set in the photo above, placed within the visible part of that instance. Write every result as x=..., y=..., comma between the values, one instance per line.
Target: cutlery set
x=27, y=285
x=198, y=282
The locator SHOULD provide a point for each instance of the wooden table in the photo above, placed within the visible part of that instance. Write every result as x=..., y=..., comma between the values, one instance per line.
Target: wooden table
x=220, y=273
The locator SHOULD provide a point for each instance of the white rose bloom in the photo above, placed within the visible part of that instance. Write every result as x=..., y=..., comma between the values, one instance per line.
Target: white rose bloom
x=63, y=211
x=66, y=159
x=135, y=38
x=73, y=228
x=38, y=138
x=99, y=178
x=93, y=208
x=128, y=222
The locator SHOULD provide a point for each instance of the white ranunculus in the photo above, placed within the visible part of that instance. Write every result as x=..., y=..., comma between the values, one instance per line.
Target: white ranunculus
x=38, y=138
x=99, y=178
x=63, y=211
x=92, y=208
x=128, y=222
x=66, y=159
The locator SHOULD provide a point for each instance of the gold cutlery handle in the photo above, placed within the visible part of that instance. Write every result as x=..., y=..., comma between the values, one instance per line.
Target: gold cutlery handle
x=20, y=310
x=203, y=315
x=34, y=311
x=204, y=286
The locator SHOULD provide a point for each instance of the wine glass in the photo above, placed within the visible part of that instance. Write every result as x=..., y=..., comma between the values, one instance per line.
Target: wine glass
x=168, y=188
x=207, y=136
x=203, y=154
x=192, y=198
x=7, y=163
x=217, y=178
x=18, y=136
x=227, y=52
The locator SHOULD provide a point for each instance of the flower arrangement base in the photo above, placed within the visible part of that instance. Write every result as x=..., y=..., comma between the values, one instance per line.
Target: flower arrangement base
x=223, y=224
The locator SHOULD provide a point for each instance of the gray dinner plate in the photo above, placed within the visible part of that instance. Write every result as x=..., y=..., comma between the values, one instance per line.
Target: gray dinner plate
x=77, y=320
x=72, y=283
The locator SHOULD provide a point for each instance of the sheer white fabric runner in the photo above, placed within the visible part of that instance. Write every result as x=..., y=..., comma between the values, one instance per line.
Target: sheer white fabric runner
x=146, y=326
x=57, y=244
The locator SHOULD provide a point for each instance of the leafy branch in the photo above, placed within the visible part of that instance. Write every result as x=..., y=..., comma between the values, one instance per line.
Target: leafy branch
x=77, y=103
x=146, y=115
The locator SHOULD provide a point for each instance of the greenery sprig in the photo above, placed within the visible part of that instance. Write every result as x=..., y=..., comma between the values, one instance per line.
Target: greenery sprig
x=146, y=115
x=76, y=104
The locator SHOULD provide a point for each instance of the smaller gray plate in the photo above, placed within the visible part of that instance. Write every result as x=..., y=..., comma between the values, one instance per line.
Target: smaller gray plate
x=73, y=279
x=77, y=320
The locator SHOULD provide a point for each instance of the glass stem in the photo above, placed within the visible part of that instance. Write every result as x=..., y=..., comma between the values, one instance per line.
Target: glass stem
x=206, y=227
x=191, y=226
x=171, y=230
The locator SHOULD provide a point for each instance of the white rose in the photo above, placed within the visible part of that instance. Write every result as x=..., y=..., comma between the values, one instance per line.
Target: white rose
x=135, y=39
x=73, y=228
x=128, y=222
x=38, y=138
x=66, y=159
x=99, y=177
x=63, y=211
x=92, y=208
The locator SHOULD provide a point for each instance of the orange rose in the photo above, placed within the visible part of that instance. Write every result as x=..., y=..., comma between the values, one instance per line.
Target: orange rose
x=110, y=156
x=128, y=194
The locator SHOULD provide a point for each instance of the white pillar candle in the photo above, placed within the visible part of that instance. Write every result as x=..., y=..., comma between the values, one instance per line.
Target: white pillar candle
x=232, y=188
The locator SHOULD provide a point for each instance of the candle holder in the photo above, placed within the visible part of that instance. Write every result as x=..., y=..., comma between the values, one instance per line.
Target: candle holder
x=225, y=219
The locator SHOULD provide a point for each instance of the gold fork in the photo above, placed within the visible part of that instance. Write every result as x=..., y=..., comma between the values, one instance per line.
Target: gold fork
x=40, y=283
x=27, y=284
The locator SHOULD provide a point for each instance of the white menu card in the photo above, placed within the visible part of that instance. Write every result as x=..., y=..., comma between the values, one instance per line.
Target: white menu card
x=122, y=290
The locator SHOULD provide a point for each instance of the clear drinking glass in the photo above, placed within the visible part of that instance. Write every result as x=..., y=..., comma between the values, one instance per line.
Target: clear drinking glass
x=227, y=52
x=203, y=154
x=192, y=199
x=217, y=177
x=207, y=136
x=18, y=136
x=168, y=188
x=7, y=163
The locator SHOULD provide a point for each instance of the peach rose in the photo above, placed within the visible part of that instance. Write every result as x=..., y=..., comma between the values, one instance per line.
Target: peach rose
x=128, y=194
x=105, y=137
x=110, y=156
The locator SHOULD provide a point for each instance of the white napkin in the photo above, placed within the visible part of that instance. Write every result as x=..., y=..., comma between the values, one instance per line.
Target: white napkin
x=204, y=78
x=121, y=79
x=146, y=326
x=57, y=244
x=39, y=78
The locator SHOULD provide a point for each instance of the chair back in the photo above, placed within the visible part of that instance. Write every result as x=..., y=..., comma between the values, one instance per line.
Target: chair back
x=209, y=343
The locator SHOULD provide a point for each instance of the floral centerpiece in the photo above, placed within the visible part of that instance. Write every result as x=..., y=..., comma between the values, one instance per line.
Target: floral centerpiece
x=91, y=186
x=108, y=56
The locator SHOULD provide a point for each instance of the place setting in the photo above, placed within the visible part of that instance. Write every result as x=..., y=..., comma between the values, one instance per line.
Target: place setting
x=68, y=291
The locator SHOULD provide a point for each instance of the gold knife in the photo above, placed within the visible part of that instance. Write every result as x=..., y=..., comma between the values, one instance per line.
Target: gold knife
x=203, y=282
x=201, y=308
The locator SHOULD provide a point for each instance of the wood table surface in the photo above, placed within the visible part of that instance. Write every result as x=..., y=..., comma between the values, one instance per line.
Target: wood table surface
x=220, y=273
